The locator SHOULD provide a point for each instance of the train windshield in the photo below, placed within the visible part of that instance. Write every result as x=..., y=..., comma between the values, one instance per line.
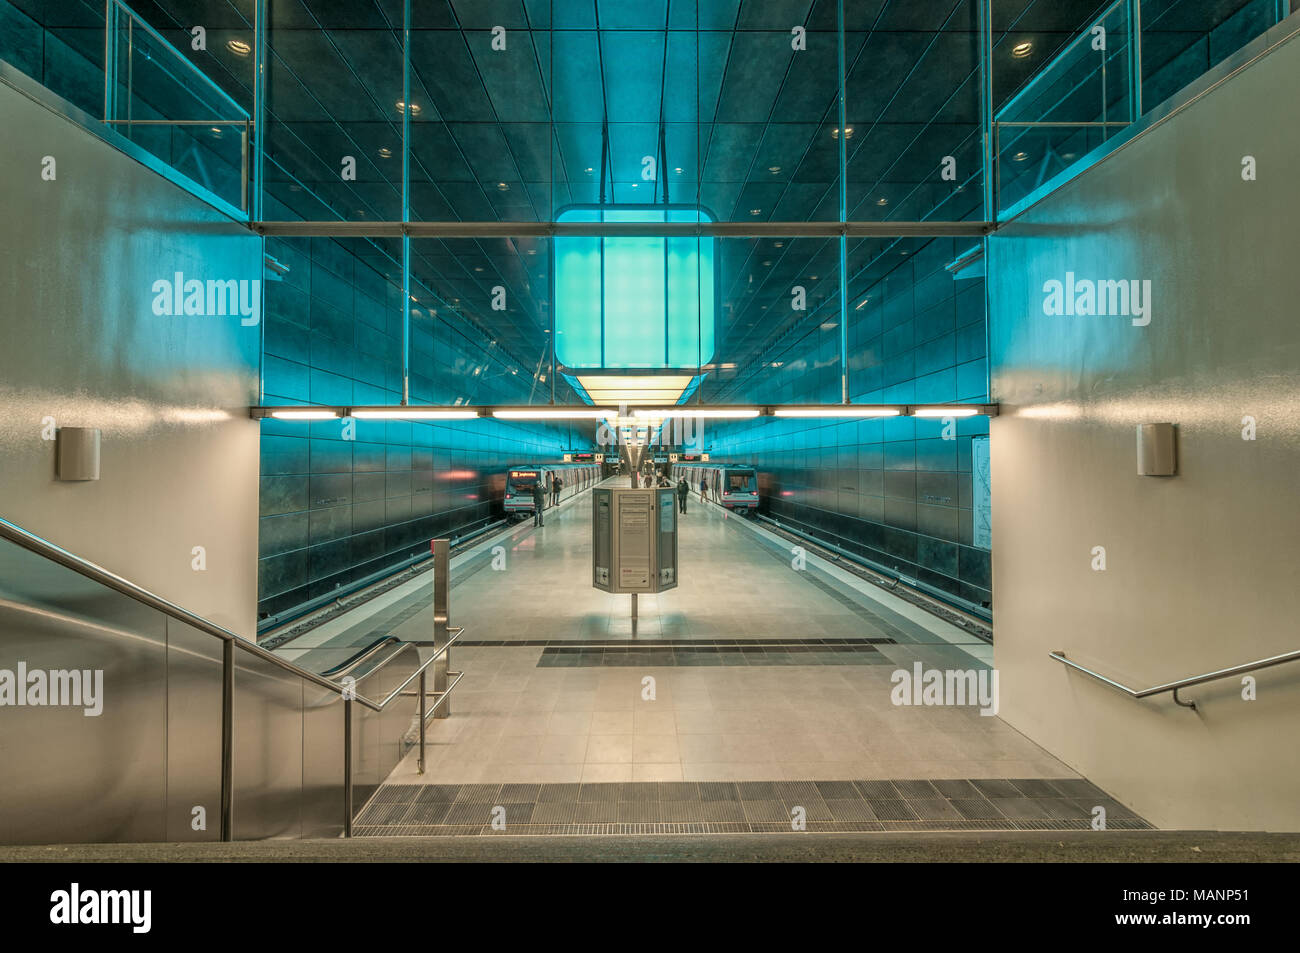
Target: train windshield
x=740, y=481
x=523, y=481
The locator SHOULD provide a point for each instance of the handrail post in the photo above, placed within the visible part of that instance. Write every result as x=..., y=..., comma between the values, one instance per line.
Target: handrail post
x=423, y=700
x=347, y=766
x=227, y=739
x=441, y=612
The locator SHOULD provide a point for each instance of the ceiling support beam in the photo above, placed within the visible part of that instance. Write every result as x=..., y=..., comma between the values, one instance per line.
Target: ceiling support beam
x=336, y=229
x=590, y=412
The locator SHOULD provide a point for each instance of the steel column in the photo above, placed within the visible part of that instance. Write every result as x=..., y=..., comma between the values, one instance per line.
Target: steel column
x=988, y=155
x=441, y=613
x=1135, y=58
x=260, y=24
x=406, y=201
x=421, y=708
x=227, y=739
x=844, y=207
x=347, y=766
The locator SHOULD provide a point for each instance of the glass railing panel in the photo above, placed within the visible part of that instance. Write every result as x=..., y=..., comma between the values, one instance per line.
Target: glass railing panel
x=1085, y=95
x=106, y=61
x=158, y=99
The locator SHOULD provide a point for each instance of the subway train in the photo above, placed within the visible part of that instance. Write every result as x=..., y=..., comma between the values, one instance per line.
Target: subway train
x=521, y=479
x=734, y=485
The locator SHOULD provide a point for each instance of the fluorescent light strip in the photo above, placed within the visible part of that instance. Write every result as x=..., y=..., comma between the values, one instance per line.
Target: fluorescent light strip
x=554, y=414
x=945, y=411
x=404, y=414
x=663, y=412
x=305, y=414
x=845, y=411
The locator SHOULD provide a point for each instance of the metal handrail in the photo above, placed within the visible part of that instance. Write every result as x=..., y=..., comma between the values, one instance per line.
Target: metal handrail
x=96, y=573
x=43, y=547
x=1181, y=683
x=350, y=664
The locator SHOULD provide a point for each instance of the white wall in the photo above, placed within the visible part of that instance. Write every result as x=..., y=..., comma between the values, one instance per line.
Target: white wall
x=1203, y=569
x=78, y=256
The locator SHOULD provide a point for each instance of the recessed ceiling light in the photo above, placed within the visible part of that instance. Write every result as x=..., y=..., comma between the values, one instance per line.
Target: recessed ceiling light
x=589, y=168
x=882, y=201
x=503, y=187
x=1021, y=50
x=767, y=264
x=385, y=153
x=774, y=169
x=848, y=132
x=678, y=170
x=779, y=244
x=238, y=47
x=1070, y=155
x=217, y=131
x=478, y=267
x=415, y=108
x=1020, y=157
x=755, y=211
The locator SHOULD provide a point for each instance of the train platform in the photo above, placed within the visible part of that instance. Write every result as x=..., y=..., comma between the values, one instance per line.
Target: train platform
x=752, y=684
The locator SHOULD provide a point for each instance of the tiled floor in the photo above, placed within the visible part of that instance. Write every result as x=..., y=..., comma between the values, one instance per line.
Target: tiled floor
x=515, y=722
x=657, y=707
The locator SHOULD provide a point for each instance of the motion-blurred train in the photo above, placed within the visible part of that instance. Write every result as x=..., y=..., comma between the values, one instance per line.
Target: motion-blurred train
x=521, y=479
x=734, y=485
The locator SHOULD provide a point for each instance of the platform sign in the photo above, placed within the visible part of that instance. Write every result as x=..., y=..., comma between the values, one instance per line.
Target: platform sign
x=634, y=539
x=568, y=458
x=981, y=492
x=704, y=458
x=674, y=457
x=600, y=458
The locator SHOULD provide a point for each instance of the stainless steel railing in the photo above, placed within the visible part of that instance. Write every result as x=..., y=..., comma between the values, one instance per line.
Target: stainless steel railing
x=1182, y=683
x=444, y=637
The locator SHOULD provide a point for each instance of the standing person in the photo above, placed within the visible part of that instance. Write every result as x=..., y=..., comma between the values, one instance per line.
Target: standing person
x=556, y=485
x=704, y=490
x=683, y=491
x=539, y=502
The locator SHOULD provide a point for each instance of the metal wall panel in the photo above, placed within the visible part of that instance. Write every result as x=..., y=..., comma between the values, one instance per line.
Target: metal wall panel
x=66, y=776
x=268, y=750
x=193, y=733
x=322, y=763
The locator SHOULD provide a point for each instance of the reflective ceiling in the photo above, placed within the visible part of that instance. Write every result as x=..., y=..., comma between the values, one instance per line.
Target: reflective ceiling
x=721, y=104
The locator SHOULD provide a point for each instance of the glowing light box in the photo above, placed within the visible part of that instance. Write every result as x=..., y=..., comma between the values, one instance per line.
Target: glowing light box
x=631, y=301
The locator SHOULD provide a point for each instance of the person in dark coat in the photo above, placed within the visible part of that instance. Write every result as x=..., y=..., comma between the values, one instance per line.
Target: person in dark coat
x=683, y=491
x=556, y=486
x=539, y=502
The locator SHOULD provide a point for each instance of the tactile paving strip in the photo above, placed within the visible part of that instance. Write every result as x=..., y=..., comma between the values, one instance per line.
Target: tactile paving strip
x=715, y=807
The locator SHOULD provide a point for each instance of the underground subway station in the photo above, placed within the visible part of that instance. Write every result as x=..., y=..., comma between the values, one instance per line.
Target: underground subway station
x=574, y=431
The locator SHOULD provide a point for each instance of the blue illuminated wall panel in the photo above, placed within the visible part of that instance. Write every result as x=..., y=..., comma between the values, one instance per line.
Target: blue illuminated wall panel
x=634, y=301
